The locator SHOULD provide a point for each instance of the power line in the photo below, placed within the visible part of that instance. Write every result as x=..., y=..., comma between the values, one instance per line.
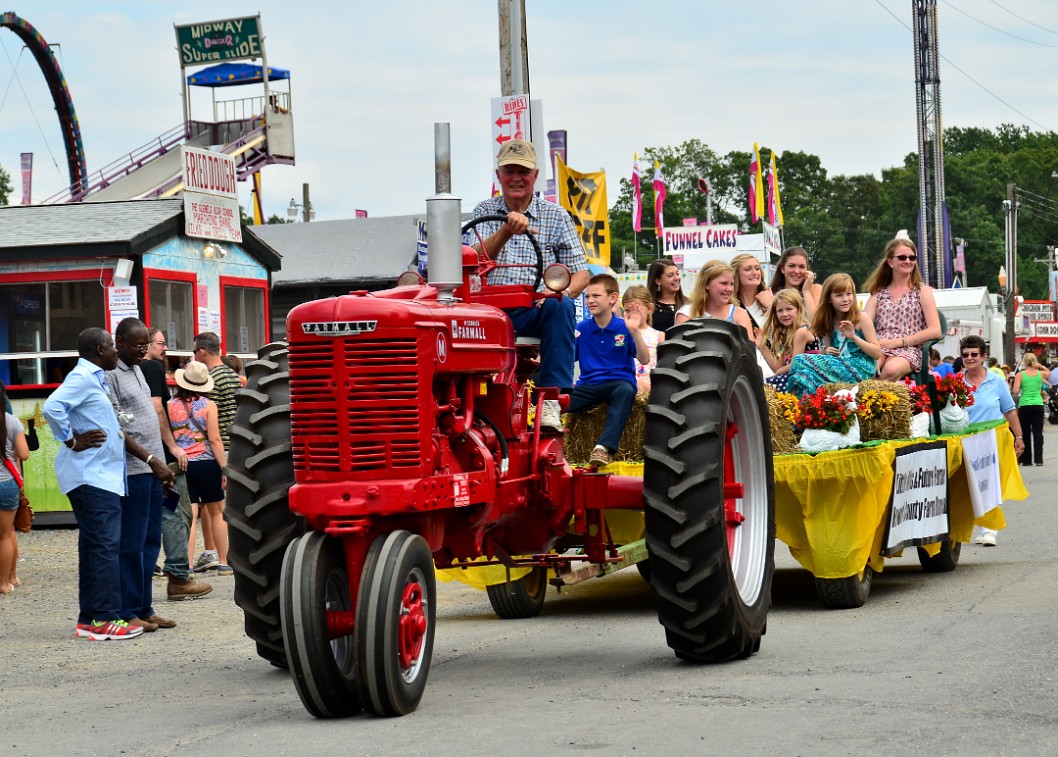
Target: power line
x=996, y=28
x=1026, y=20
x=952, y=64
x=18, y=79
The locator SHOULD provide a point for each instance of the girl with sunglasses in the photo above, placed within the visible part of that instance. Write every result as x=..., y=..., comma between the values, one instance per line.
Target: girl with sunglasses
x=902, y=309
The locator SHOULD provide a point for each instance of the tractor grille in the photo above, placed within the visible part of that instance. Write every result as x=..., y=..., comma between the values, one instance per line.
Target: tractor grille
x=355, y=406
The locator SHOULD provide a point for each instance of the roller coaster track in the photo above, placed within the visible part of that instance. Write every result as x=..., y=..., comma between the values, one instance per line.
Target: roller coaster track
x=60, y=93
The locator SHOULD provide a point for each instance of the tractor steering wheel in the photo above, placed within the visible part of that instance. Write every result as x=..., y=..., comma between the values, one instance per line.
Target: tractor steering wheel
x=529, y=235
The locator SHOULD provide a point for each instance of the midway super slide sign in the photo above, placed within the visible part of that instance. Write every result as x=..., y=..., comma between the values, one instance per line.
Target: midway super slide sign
x=211, y=197
x=918, y=506
x=219, y=41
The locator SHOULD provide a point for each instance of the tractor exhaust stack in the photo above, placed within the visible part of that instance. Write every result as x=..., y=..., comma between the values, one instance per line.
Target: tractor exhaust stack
x=445, y=251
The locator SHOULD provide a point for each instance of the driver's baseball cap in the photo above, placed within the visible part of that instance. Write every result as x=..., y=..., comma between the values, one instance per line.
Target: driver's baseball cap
x=517, y=152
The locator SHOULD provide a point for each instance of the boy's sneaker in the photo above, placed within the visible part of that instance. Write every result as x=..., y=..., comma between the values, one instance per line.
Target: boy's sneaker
x=206, y=561
x=118, y=630
x=82, y=630
x=551, y=415
x=224, y=570
x=600, y=456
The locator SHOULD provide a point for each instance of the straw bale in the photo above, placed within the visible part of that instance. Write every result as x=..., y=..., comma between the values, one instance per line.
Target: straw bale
x=584, y=430
x=783, y=438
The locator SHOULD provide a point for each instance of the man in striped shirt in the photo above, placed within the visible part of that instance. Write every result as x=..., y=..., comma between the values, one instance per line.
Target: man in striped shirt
x=225, y=381
x=225, y=384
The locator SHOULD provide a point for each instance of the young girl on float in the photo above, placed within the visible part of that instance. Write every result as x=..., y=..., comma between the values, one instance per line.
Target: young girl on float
x=792, y=272
x=785, y=334
x=637, y=299
x=850, y=345
x=714, y=297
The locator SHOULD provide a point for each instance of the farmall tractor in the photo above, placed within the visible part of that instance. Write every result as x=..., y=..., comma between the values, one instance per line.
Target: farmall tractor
x=393, y=434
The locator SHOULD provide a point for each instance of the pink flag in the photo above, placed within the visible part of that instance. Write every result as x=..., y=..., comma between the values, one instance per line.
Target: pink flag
x=659, y=200
x=755, y=205
x=774, y=204
x=637, y=197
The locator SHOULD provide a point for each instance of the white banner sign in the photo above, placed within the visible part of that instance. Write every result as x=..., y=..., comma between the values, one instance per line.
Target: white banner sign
x=680, y=240
x=1038, y=310
x=772, y=239
x=918, y=507
x=980, y=456
x=122, y=298
x=210, y=217
x=510, y=120
x=208, y=172
x=117, y=316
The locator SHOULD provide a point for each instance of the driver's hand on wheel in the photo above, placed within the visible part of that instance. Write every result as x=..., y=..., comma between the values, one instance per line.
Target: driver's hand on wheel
x=518, y=224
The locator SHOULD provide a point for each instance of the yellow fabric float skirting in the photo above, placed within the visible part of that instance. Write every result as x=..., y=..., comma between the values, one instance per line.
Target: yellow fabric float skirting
x=830, y=508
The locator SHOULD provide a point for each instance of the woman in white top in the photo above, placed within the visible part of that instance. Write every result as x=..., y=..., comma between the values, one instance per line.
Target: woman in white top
x=752, y=295
x=792, y=272
x=714, y=297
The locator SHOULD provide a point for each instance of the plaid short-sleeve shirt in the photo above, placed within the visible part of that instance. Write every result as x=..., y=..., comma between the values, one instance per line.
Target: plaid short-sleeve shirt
x=557, y=236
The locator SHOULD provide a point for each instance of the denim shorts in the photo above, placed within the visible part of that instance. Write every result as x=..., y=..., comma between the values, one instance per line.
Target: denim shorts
x=8, y=495
x=204, y=481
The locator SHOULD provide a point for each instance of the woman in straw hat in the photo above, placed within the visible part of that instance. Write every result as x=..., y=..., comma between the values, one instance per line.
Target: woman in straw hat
x=193, y=418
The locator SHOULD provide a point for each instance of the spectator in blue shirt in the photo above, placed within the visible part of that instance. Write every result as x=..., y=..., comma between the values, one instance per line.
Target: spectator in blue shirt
x=90, y=469
x=938, y=367
x=992, y=402
x=605, y=348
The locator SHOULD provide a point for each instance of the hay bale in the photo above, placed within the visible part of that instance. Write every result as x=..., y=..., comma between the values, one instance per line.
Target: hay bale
x=584, y=430
x=783, y=438
x=892, y=424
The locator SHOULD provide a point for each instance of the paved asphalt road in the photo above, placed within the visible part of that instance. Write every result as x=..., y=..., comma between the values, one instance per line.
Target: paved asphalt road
x=952, y=664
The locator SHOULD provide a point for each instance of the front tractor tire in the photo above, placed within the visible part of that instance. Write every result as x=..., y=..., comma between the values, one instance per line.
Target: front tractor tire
x=260, y=473
x=709, y=492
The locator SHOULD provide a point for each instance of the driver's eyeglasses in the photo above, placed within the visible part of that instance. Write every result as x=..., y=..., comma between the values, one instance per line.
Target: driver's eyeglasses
x=161, y=344
x=971, y=354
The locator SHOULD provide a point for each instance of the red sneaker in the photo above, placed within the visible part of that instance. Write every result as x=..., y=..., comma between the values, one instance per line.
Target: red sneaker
x=82, y=630
x=113, y=629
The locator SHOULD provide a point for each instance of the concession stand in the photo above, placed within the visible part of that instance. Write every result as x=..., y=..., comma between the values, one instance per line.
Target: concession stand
x=64, y=268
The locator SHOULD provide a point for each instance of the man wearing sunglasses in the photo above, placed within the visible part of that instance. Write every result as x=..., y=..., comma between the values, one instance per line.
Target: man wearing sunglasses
x=992, y=402
x=147, y=473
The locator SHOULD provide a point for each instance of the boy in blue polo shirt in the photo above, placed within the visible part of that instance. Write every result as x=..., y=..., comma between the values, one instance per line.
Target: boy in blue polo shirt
x=605, y=347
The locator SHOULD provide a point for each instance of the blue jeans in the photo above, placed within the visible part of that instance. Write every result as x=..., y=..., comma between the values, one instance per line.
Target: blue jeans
x=98, y=514
x=553, y=323
x=618, y=395
x=141, y=541
x=8, y=495
x=176, y=530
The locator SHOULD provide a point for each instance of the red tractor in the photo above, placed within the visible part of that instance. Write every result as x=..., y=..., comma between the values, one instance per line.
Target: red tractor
x=393, y=434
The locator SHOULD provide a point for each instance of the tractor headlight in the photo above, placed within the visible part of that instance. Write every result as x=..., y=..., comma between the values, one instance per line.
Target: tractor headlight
x=557, y=277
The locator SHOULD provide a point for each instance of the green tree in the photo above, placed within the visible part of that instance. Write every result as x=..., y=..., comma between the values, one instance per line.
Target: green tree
x=5, y=186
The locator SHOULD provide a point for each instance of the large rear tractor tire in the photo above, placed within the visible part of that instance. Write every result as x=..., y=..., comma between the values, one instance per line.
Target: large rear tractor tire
x=845, y=593
x=395, y=620
x=942, y=562
x=709, y=492
x=317, y=615
x=521, y=598
x=260, y=473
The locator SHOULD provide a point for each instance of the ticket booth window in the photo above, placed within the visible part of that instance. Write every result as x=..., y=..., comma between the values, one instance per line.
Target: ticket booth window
x=172, y=309
x=244, y=319
x=41, y=318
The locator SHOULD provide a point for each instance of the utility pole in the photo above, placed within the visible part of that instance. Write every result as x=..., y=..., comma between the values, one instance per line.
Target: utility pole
x=514, y=50
x=1049, y=260
x=1010, y=209
x=306, y=206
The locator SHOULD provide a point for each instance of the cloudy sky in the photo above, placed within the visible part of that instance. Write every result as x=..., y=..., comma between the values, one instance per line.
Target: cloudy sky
x=830, y=77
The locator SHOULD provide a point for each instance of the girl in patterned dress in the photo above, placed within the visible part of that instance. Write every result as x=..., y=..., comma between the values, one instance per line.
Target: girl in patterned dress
x=785, y=334
x=850, y=345
x=902, y=309
x=637, y=299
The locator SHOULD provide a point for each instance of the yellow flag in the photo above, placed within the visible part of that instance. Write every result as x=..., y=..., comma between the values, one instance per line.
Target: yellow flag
x=584, y=196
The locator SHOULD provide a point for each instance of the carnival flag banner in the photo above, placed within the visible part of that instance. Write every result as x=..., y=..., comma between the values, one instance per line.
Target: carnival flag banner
x=756, y=187
x=980, y=456
x=659, y=200
x=27, y=178
x=637, y=195
x=918, y=505
x=584, y=196
x=774, y=205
